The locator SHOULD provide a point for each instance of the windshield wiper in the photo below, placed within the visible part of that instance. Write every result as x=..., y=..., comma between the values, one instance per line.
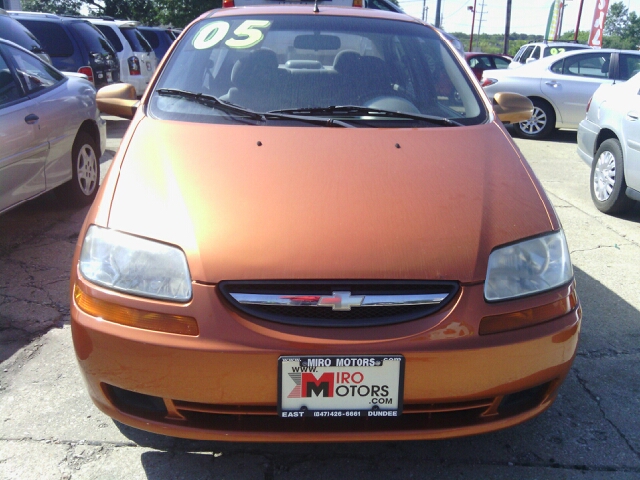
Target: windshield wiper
x=211, y=101
x=348, y=110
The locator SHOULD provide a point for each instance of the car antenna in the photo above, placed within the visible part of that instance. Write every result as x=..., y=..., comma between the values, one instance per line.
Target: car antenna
x=315, y=7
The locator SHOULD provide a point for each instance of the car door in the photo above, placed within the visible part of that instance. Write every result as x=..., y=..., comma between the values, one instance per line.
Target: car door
x=570, y=82
x=631, y=136
x=24, y=149
x=59, y=112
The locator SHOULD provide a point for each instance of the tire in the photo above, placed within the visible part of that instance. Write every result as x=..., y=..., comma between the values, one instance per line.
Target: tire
x=607, y=179
x=541, y=123
x=83, y=187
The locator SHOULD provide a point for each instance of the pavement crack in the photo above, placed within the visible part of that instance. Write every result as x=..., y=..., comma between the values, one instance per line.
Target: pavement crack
x=593, y=217
x=607, y=353
x=596, y=399
x=616, y=246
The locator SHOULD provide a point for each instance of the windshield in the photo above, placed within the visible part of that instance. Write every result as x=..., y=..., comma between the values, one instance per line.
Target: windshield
x=311, y=62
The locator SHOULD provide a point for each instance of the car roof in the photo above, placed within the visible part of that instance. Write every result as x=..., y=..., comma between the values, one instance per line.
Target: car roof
x=307, y=9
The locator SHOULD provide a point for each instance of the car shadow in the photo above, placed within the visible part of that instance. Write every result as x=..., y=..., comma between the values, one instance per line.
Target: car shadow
x=47, y=227
x=558, y=136
x=560, y=425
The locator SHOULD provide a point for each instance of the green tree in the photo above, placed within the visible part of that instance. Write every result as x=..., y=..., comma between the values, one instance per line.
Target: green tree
x=144, y=11
x=60, y=7
x=617, y=19
x=179, y=13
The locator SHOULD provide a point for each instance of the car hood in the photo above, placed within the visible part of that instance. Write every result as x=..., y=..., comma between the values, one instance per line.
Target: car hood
x=247, y=202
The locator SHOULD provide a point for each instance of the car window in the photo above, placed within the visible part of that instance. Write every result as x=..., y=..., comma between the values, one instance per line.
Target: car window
x=112, y=36
x=535, y=54
x=554, y=50
x=152, y=38
x=34, y=74
x=15, y=32
x=95, y=41
x=480, y=62
x=52, y=36
x=275, y=62
x=501, y=62
x=136, y=40
x=595, y=65
x=629, y=65
x=526, y=54
x=9, y=90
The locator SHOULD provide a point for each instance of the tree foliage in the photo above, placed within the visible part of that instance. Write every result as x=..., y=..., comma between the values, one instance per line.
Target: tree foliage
x=60, y=7
x=177, y=13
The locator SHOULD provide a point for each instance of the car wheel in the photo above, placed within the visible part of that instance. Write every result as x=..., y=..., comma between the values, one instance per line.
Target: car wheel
x=82, y=188
x=607, y=179
x=541, y=123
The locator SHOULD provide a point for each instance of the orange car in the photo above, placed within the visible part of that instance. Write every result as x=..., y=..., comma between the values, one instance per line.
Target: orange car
x=301, y=239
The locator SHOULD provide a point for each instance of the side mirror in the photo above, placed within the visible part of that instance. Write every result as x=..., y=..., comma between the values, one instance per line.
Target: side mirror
x=512, y=107
x=119, y=100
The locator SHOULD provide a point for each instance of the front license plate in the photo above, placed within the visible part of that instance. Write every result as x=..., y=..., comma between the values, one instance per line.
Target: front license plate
x=340, y=386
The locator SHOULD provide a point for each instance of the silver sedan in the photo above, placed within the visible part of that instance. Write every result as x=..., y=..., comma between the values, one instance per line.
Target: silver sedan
x=609, y=141
x=561, y=85
x=51, y=133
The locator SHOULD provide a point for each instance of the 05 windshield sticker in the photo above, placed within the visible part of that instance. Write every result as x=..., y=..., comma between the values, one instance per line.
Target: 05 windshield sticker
x=247, y=35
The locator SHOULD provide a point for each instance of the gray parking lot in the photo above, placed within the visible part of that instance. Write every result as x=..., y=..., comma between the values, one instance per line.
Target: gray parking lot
x=49, y=429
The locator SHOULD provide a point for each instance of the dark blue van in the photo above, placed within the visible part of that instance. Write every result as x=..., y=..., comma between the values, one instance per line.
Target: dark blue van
x=74, y=45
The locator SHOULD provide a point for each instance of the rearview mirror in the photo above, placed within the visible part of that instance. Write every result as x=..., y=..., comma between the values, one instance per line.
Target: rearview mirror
x=119, y=100
x=317, y=42
x=512, y=107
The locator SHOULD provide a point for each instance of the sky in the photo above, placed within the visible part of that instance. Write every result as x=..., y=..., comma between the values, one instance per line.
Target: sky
x=527, y=16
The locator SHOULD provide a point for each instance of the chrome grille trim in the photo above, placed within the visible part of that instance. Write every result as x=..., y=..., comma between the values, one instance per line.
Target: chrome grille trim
x=353, y=303
x=316, y=300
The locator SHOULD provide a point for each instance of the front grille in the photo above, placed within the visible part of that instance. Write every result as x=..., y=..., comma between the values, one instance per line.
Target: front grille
x=338, y=303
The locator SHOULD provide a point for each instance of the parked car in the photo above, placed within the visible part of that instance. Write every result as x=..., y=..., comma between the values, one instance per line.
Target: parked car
x=531, y=52
x=14, y=31
x=52, y=133
x=74, y=45
x=560, y=86
x=160, y=39
x=300, y=271
x=479, y=62
x=137, y=59
x=608, y=140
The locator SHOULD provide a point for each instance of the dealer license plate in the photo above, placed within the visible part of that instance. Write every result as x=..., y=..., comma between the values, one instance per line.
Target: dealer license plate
x=340, y=386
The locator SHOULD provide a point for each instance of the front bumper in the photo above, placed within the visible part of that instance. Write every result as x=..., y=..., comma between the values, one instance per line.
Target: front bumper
x=587, y=135
x=222, y=384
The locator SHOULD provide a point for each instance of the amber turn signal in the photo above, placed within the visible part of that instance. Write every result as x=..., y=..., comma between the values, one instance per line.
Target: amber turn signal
x=529, y=317
x=133, y=317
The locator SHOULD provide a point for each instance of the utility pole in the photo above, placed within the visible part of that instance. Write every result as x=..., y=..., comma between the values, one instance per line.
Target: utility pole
x=507, y=29
x=575, y=35
x=425, y=10
x=473, y=24
x=482, y=11
x=438, y=8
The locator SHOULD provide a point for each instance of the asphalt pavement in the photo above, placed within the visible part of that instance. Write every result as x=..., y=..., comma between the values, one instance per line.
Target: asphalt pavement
x=49, y=429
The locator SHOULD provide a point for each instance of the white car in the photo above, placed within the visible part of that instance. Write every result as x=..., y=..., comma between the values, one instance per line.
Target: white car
x=137, y=59
x=561, y=85
x=609, y=141
x=530, y=52
x=51, y=133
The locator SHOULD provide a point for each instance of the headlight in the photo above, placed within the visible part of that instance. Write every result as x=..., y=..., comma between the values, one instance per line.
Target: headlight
x=528, y=267
x=135, y=265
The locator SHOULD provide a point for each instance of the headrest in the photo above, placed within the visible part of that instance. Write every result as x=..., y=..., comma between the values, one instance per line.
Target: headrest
x=257, y=67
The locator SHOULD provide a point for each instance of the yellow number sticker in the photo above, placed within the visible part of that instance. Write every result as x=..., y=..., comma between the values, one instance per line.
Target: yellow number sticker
x=250, y=29
x=213, y=33
x=555, y=51
x=210, y=35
